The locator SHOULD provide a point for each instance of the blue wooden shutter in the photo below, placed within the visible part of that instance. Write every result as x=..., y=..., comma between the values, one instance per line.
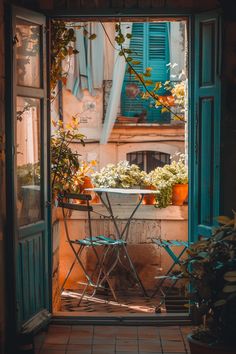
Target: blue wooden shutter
x=158, y=56
x=150, y=46
x=205, y=127
x=133, y=107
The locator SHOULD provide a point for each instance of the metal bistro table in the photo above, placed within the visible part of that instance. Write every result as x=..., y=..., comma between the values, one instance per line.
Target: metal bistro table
x=124, y=233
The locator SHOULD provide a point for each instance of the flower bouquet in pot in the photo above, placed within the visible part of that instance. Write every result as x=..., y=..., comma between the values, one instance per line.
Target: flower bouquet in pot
x=211, y=271
x=120, y=175
x=169, y=178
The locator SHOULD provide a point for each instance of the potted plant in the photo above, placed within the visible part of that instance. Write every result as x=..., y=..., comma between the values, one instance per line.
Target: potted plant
x=120, y=175
x=64, y=161
x=211, y=271
x=170, y=180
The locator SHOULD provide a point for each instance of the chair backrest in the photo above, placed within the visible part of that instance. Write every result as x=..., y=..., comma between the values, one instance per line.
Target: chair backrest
x=64, y=201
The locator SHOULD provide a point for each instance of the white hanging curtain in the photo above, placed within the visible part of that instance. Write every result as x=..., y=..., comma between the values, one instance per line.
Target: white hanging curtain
x=117, y=83
x=86, y=67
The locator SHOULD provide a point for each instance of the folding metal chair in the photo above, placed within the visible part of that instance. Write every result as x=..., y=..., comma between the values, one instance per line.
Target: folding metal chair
x=100, y=274
x=176, y=258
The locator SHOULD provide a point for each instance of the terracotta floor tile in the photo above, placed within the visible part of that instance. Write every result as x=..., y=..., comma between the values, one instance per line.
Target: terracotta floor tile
x=149, y=346
x=48, y=351
x=103, y=348
x=126, y=352
x=112, y=340
x=82, y=329
x=141, y=352
x=59, y=328
x=129, y=346
x=53, y=346
x=107, y=340
x=74, y=339
x=78, y=352
x=56, y=339
x=80, y=347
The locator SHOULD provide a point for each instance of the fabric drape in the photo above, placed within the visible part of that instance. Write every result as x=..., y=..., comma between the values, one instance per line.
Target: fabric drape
x=117, y=82
x=86, y=68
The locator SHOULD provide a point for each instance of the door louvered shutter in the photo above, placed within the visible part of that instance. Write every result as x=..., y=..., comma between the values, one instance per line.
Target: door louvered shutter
x=158, y=56
x=150, y=46
x=133, y=107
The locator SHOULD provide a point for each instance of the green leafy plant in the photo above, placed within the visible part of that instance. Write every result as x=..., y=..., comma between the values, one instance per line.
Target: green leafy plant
x=164, y=178
x=211, y=271
x=122, y=175
x=65, y=161
x=63, y=47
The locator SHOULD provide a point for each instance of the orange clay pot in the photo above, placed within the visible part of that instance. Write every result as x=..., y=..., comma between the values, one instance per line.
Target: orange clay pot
x=179, y=193
x=88, y=184
x=149, y=199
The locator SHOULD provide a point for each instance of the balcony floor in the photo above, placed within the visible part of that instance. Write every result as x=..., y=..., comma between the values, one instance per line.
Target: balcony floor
x=130, y=301
x=112, y=340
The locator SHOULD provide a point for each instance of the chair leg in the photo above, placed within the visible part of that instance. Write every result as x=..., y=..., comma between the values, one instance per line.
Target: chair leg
x=134, y=271
x=70, y=270
x=176, y=261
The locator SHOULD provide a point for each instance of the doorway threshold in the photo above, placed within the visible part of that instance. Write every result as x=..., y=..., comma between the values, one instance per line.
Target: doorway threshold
x=165, y=319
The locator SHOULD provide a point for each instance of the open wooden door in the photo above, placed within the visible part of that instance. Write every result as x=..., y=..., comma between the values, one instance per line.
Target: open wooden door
x=27, y=158
x=205, y=126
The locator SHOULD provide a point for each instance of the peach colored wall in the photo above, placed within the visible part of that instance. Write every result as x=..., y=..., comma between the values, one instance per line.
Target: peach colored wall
x=149, y=222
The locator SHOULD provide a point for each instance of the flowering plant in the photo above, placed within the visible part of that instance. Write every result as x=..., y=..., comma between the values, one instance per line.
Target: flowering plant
x=65, y=162
x=164, y=178
x=122, y=175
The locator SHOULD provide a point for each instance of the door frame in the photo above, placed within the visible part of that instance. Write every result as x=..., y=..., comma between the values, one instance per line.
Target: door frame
x=10, y=244
x=88, y=16
x=12, y=329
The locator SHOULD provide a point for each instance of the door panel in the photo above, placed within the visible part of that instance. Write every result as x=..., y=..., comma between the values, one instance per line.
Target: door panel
x=205, y=132
x=30, y=161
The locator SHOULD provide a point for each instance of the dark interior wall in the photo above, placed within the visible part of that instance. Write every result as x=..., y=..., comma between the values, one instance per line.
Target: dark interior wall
x=228, y=131
x=84, y=5
x=2, y=179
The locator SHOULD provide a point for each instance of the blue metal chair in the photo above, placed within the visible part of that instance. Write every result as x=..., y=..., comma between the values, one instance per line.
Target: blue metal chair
x=100, y=274
x=167, y=245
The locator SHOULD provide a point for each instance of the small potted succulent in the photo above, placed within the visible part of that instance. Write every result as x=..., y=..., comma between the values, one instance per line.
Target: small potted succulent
x=211, y=271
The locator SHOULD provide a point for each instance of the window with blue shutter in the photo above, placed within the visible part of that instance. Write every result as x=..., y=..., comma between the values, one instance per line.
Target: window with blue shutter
x=150, y=46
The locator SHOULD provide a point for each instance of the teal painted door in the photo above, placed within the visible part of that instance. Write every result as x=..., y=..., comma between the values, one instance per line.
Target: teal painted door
x=205, y=126
x=29, y=164
x=150, y=46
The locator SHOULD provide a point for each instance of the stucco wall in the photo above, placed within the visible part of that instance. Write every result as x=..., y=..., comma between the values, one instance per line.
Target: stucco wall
x=170, y=223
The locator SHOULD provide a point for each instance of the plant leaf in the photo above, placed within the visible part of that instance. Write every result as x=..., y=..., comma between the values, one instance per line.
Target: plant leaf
x=230, y=276
x=220, y=302
x=229, y=289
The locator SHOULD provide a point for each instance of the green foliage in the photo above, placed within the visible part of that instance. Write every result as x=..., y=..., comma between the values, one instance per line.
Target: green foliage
x=122, y=175
x=211, y=271
x=62, y=44
x=164, y=178
x=62, y=39
x=65, y=162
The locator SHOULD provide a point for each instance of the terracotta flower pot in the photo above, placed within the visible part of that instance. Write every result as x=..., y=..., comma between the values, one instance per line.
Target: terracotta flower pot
x=88, y=184
x=179, y=193
x=198, y=347
x=149, y=199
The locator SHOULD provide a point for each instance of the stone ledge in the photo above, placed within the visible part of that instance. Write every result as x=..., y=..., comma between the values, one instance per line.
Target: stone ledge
x=145, y=212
